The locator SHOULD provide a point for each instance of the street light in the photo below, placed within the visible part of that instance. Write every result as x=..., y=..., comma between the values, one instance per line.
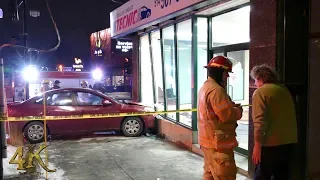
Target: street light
x=97, y=74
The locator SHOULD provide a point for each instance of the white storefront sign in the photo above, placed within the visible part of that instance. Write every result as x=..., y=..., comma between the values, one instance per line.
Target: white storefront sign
x=136, y=13
x=124, y=46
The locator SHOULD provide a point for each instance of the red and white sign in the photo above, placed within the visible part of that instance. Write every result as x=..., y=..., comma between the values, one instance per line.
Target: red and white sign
x=136, y=13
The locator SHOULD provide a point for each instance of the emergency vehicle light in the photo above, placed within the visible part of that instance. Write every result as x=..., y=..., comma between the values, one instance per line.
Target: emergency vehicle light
x=97, y=74
x=30, y=73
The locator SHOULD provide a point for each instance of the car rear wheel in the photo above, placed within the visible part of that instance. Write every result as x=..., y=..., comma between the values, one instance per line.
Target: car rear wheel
x=34, y=132
x=132, y=127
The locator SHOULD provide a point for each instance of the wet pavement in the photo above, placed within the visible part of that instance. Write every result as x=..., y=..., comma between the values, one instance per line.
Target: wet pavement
x=115, y=158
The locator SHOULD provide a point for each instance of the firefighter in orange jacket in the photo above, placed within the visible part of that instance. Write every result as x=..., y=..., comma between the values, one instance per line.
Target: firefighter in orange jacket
x=217, y=122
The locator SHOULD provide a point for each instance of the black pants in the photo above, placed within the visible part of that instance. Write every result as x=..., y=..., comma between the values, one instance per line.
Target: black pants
x=275, y=163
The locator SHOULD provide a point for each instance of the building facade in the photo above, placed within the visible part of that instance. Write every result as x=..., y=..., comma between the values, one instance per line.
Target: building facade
x=174, y=39
x=114, y=58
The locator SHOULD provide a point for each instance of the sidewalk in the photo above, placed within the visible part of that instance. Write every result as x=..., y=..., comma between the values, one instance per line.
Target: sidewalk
x=117, y=158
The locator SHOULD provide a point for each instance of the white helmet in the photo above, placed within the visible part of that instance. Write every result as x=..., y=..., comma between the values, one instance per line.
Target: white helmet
x=84, y=84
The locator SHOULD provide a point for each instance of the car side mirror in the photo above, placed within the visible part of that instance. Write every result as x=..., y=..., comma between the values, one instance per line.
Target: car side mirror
x=106, y=103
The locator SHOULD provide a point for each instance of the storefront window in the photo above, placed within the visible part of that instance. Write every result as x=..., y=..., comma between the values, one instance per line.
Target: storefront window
x=236, y=79
x=202, y=28
x=231, y=28
x=170, y=69
x=184, y=38
x=146, y=71
x=157, y=65
x=238, y=89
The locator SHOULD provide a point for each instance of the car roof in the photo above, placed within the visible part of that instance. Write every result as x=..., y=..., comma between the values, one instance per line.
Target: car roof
x=74, y=89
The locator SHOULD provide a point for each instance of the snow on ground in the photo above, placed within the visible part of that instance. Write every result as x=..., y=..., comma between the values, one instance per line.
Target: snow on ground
x=10, y=170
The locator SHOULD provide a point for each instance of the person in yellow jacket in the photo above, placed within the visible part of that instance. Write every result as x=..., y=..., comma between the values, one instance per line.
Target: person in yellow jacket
x=217, y=122
x=45, y=86
x=275, y=125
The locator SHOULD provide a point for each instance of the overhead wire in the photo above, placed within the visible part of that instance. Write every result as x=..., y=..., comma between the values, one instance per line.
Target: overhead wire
x=117, y=2
x=40, y=50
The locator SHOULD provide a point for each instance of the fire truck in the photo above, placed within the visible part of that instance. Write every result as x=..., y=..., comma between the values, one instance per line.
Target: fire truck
x=15, y=83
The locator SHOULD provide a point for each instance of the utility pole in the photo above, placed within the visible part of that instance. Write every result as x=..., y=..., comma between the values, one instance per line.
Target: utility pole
x=25, y=39
x=3, y=140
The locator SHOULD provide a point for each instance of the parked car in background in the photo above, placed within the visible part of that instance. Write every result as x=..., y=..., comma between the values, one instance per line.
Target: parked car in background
x=79, y=101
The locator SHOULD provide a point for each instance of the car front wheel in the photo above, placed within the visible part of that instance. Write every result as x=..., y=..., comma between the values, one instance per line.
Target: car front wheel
x=34, y=132
x=132, y=127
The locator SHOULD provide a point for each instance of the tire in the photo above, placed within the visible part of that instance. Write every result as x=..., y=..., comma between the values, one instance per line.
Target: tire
x=34, y=138
x=132, y=127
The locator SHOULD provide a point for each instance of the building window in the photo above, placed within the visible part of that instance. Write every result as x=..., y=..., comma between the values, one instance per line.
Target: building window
x=184, y=42
x=146, y=72
x=170, y=69
x=237, y=78
x=238, y=89
x=231, y=28
x=202, y=50
x=157, y=64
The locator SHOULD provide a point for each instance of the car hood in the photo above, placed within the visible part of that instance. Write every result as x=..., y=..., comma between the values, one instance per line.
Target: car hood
x=13, y=103
x=134, y=103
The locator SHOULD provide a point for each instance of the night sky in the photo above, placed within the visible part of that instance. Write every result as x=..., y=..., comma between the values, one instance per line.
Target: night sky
x=75, y=19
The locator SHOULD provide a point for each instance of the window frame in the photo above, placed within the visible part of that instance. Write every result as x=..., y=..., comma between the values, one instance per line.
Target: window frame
x=51, y=94
x=78, y=103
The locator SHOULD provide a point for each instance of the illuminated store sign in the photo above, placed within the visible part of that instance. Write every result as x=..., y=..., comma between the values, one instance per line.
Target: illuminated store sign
x=78, y=66
x=124, y=46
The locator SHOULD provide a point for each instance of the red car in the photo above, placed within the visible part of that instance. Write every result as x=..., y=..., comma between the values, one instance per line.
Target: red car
x=78, y=101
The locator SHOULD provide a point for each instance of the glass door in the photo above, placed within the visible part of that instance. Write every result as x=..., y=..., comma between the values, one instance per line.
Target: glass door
x=238, y=87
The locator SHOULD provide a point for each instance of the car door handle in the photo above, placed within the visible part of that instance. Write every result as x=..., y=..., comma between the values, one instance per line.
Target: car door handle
x=41, y=114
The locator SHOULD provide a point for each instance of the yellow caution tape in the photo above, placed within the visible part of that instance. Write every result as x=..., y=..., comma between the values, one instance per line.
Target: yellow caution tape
x=92, y=116
x=95, y=116
x=246, y=105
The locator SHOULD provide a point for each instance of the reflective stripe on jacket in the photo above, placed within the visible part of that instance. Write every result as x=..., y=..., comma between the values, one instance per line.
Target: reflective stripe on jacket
x=217, y=117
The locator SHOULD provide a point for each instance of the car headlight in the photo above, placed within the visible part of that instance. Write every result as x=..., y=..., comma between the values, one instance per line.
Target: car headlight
x=148, y=109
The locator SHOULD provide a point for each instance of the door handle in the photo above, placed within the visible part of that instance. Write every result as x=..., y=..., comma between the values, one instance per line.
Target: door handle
x=231, y=91
x=41, y=114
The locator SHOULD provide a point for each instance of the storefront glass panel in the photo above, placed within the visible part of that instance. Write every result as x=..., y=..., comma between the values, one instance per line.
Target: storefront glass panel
x=157, y=65
x=202, y=51
x=238, y=89
x=231, y=28
x=146, y=72
x=230, y=37
x=170, y=69
x=184, y=38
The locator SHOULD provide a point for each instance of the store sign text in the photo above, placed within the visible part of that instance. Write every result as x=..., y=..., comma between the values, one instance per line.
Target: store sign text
x=127, y=20
x=132, y=17
x=124, y=46
x=163, y=3
x=98, y=52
